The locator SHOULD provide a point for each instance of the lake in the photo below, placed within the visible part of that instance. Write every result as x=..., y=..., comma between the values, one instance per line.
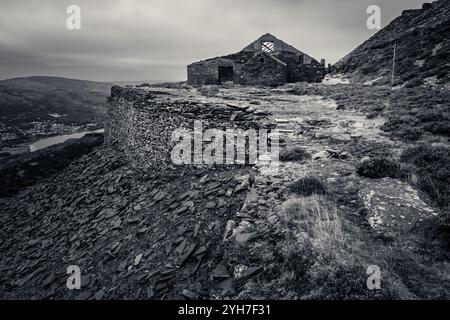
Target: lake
x=47, y=142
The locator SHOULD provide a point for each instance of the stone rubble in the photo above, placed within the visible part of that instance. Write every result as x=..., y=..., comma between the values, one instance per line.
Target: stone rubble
x=131, y=237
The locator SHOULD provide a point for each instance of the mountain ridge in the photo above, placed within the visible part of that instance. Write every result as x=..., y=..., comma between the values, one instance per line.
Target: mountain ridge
x=422, y=42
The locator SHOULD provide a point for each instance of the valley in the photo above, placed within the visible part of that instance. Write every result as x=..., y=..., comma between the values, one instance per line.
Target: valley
x=35, y=107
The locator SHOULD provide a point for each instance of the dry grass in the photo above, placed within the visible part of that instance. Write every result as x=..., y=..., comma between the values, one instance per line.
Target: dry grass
x=315, y=218
x=339, y=262
x=319, y=255
x=431, y=165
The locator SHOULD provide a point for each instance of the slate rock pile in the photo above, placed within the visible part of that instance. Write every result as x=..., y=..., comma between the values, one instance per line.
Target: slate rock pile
x=156, y=238
x=19, y=172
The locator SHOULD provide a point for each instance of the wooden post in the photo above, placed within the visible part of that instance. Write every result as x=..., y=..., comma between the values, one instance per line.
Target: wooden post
x=394, y=61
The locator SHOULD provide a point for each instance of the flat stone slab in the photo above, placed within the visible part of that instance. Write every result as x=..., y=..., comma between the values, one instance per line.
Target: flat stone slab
x=393, y=206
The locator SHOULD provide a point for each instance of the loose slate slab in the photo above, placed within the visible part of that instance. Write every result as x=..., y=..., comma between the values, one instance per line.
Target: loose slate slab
x=188, y=251
x=220, y=272
x=393, y=206
x=137, y=259
x=180, y=210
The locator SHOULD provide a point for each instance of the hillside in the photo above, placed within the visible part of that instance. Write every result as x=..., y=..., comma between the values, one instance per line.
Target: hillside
x=345, y=196
x=39, y=106
x=34, y=98
x=423, y=46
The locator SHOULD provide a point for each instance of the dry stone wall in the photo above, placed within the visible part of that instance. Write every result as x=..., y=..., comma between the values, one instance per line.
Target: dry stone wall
x=141, y=122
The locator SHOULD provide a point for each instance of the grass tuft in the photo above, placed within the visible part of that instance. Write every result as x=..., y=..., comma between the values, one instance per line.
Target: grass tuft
x=431, y=168
x=294, y=154
x=379, y=167
x=308, y=186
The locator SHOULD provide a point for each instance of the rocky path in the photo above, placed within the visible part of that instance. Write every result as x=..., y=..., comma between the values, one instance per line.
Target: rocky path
x=338, y=140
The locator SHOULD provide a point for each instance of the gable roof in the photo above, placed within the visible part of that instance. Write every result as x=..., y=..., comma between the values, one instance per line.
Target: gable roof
x=279, y=45
x=255, y=47
x=265, y=54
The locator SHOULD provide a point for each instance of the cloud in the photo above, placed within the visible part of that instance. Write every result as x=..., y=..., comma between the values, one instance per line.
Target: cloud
x=155, y=39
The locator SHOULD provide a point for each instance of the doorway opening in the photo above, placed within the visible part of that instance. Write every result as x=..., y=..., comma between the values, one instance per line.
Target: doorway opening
x=225, y=74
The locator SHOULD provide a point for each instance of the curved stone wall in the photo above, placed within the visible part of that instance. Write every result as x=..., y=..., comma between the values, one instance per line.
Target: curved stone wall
x=141, y=122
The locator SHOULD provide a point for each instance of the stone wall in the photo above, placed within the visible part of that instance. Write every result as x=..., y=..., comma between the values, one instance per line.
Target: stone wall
x=202, y=73
x=207, y=72
x=264, y=69
x=141, y=122
x=300, y=68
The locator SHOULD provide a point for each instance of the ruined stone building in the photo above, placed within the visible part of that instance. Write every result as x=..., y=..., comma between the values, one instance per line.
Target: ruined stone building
x=267, y=61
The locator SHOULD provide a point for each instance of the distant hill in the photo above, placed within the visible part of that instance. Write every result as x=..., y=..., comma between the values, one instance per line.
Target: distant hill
x=423, y=41
x=68, y=101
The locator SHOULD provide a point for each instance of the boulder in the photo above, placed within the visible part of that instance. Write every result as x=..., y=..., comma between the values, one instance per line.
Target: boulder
x=393, y=206
x=320, y=155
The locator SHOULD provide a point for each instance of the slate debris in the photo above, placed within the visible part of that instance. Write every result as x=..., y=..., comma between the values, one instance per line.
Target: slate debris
x=132, y=236
x=220, y=272
x=248, y=274
x=188, y=251
x=20, y=172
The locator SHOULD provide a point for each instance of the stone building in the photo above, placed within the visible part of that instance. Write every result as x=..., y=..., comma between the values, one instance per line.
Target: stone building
x=267, y=61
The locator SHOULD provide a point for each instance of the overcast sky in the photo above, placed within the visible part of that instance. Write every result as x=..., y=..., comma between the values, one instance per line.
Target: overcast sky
x=155, y=39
